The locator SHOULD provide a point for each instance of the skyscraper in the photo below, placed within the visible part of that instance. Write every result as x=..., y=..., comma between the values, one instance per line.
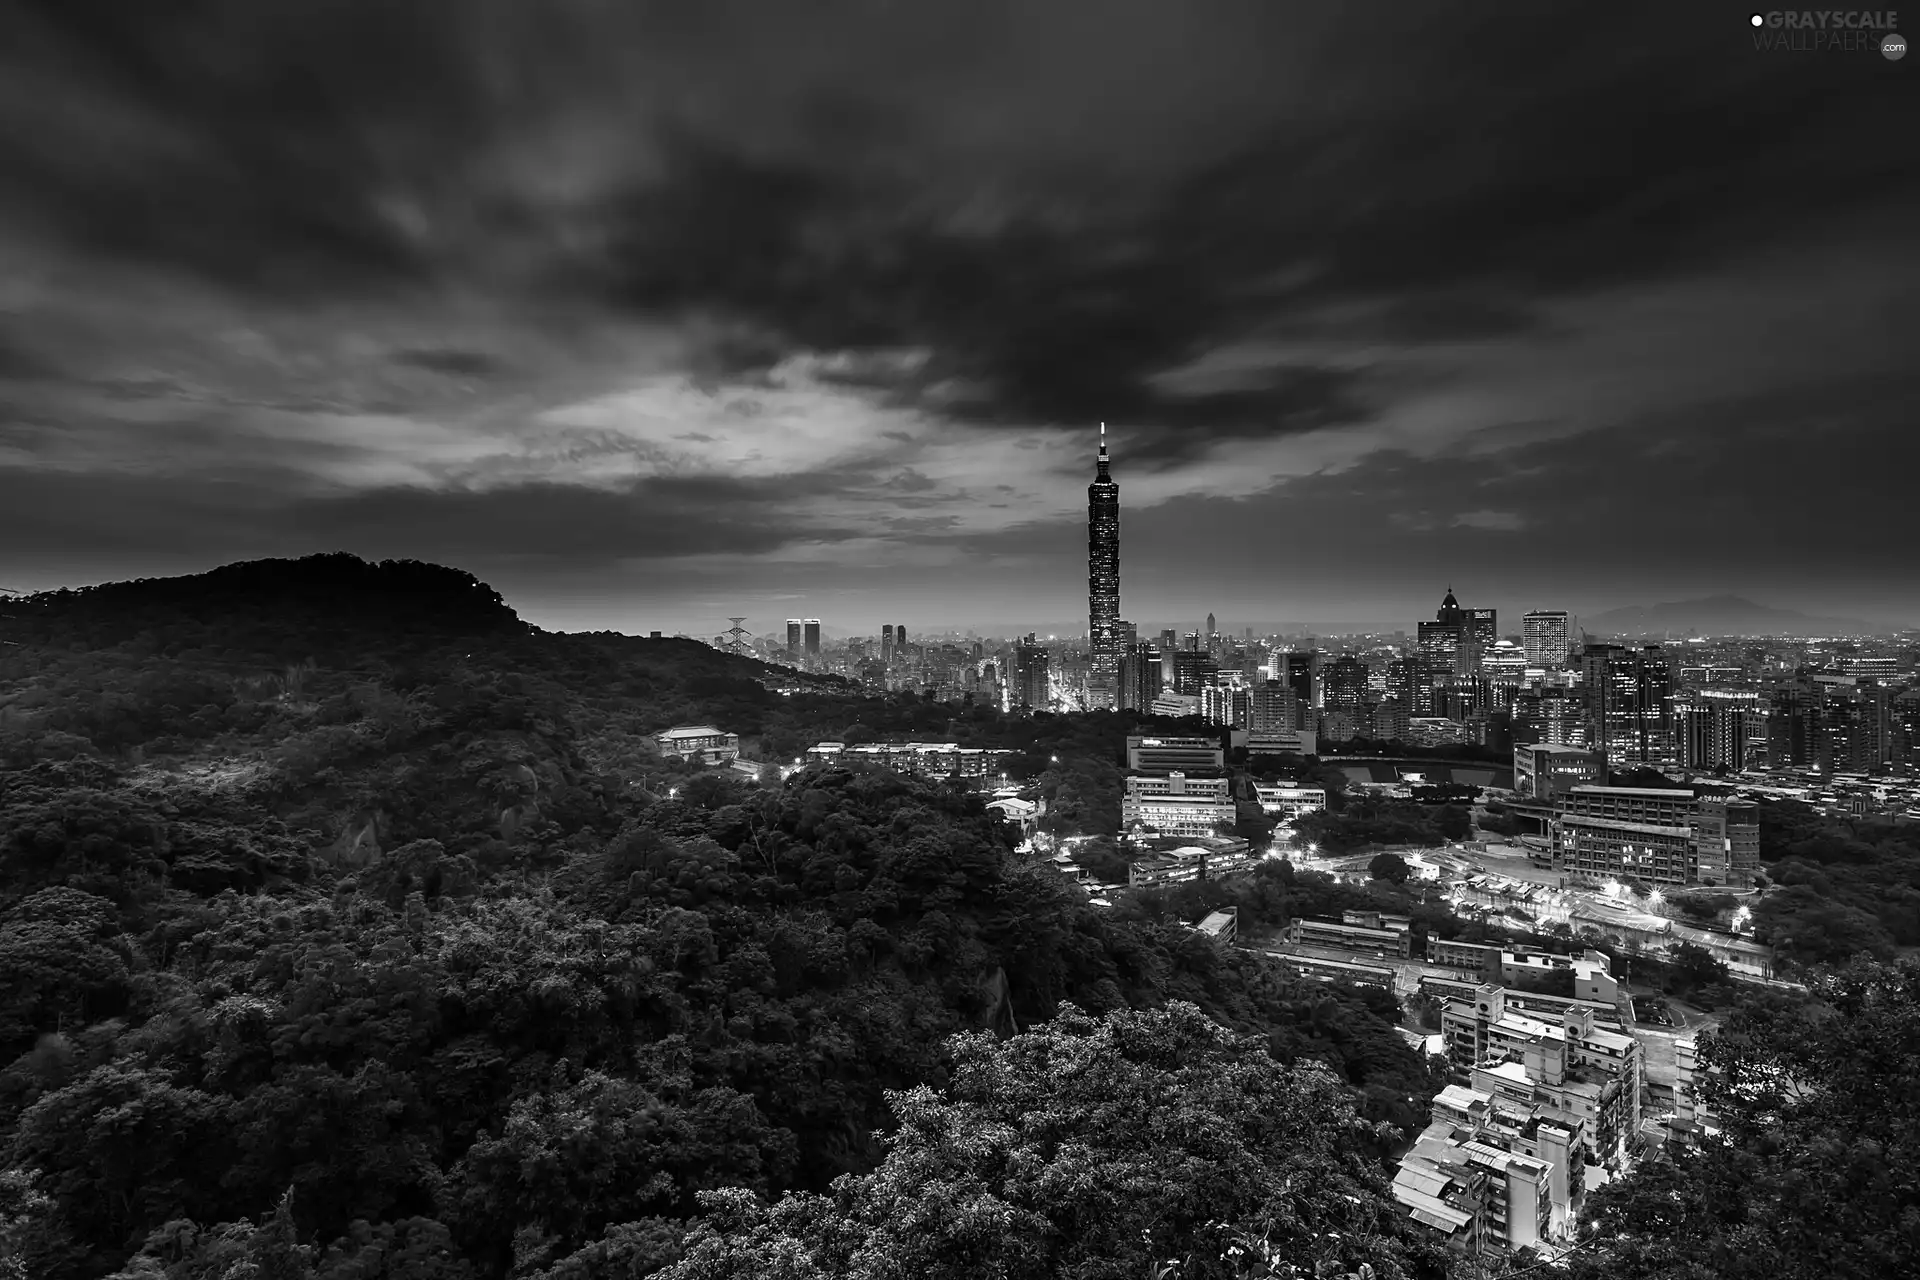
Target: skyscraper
x=812, y=626
x=1103, y=584
x=793, y=637
x=1628, y=694
x=1547, y=634
x=1140, y=676
x=1030, y=682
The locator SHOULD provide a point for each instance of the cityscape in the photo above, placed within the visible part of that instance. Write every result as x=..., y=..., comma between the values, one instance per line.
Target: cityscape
x=958, y=640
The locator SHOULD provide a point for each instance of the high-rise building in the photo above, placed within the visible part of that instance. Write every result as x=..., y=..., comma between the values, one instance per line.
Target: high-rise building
x=1834, y=722
x=1344, y=684
x=1193, y=671
x=1548, y=637
x=1628, y=692
x=1103, y=584
x=1140, y=677
x=1710, y=728
x=1031, y=687
x=1410, y=682
x=812, y=629
x=1440, y=641
x=1273, y=708
x=1300, y=672
x=793, y=637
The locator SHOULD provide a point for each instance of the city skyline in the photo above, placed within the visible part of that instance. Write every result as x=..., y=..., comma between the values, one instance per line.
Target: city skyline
x=651, y=322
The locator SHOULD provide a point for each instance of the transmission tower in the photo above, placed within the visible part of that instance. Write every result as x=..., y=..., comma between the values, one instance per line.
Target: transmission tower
x=738, y=635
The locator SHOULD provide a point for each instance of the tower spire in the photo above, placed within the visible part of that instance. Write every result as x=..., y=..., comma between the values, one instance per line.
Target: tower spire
x=1103, y=451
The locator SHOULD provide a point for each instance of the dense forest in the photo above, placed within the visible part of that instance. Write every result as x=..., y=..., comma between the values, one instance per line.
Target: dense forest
x=339, y=899
x=354, y=930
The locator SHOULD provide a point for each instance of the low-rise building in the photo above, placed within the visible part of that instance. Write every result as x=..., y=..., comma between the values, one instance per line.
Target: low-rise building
x=1346, y=937
x=1192, y=862
x=1220, y=927
x=1169, y=755
x=921, y=759
x=1178, y=805
x=699, y=743
x=1284, y=803
x=1545, y=770
x=1326, y=970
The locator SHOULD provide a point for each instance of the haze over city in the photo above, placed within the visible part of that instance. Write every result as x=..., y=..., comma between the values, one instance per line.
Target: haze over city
x=650, y=316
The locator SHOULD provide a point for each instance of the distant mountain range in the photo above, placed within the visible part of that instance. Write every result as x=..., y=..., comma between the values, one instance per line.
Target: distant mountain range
x=1723, y=616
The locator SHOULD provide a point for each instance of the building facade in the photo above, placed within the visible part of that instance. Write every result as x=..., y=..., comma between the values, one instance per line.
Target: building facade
x=700, y=743
x=1177, y=805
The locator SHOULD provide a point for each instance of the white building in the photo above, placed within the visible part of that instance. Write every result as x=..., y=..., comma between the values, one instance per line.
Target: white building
x=1285, y=803
x=1177, y=805
x=701, y=743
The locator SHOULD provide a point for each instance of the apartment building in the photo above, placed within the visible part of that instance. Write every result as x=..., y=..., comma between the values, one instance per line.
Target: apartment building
x=1571, y=1069
x=1532, y=1173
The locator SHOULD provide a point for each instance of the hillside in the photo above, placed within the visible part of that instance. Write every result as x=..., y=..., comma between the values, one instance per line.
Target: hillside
x=1722, y=616
x=345, y=905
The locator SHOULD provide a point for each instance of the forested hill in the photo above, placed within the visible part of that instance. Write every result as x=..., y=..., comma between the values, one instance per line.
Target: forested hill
x=353, y=930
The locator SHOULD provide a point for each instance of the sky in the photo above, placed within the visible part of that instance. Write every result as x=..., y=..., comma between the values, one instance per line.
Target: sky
x=655, y=314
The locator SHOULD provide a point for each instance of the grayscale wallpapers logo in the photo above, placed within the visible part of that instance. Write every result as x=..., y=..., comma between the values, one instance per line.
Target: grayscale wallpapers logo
x=1830, y=30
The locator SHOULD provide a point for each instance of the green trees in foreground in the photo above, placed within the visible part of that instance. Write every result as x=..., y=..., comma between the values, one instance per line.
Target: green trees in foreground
x=1137, y=1144
x=1814, y=1171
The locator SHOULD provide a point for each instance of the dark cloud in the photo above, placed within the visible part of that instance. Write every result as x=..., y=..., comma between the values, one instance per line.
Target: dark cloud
x=1010, y=216
x=455, y=363
x=659, y=518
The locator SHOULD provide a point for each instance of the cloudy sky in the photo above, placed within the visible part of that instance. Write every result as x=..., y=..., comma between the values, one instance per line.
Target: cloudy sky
x=651, y=314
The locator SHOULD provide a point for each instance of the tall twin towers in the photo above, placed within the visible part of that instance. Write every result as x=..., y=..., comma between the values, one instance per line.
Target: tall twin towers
x=1103, y=585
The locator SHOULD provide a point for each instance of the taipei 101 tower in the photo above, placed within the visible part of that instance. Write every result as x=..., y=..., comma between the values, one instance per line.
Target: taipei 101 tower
x=1103, y=585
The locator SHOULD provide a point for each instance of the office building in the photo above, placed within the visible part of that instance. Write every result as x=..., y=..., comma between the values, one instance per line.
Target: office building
x=1032, y=687
x=1209, y=858
x=1169, y=755
x=1103, y=584
x=1452, y=643
x=1224, y=705
x=1177, y=805
x=1627, y=695
x=793, y=637
x=1193, y=671
x=811, y=628
x=1300, y=672
x=1548, y=637
x=1544, y=771
x=1140, y=676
